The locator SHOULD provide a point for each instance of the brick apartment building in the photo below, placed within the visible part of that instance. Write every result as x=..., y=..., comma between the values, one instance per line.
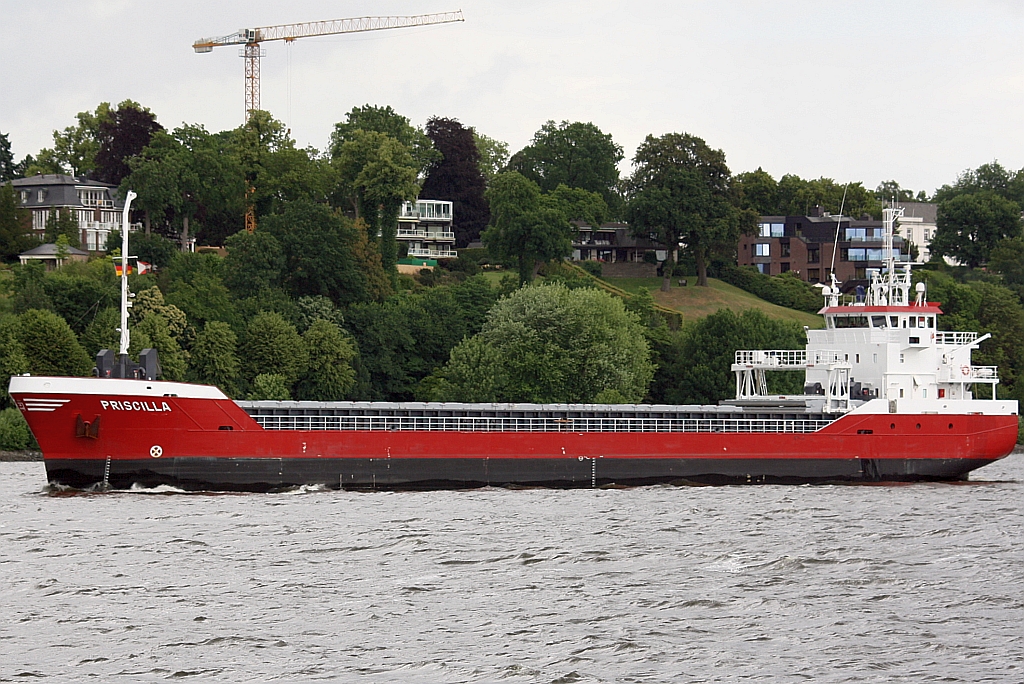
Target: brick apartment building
x=803, y=245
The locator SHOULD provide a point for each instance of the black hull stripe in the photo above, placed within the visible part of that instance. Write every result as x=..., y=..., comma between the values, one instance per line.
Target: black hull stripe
x=266, y=474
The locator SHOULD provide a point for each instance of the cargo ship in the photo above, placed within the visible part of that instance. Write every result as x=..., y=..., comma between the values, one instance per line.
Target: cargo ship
x=888, y=397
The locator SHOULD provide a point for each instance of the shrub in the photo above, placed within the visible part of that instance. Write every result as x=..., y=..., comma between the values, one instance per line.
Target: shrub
x=785, y=290
x=592, y=267
x=14, y=432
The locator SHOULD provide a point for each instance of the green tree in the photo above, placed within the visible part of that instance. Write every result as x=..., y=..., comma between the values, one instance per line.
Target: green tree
x=269, y=387
x=154, y=332
x=524, y=229
x=385, y=120
x=77, y=298
x=272, y=346
x=799, y=197
x=1007, y=259
x=493, y=155
x=317, y=247
x=15, y=225
x=6, y=160
x=14, y=432
x=214, y=359
x=969, y=226
x=991, y=177
x=254, y=262
x=576, y=154
x=694, y=365
x=457, y=178
x=330, y=375
x=50, y=346
x=191, y=182
x=380, y=173
x=101, y=332
x=757, y=191
x=681, y=190
x=549, y=344
x=76, y=146
x=122, y=134
x=196, y=287
x=12, y=355
x=890, y=191
x=62, y=222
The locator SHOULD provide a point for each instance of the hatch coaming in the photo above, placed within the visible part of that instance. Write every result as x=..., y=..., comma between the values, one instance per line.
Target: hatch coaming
x=431, y=417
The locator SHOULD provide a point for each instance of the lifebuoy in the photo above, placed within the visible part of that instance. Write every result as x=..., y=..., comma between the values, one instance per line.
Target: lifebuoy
x=965, y=369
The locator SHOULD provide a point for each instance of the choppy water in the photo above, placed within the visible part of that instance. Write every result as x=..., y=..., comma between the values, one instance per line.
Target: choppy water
x=831, y=584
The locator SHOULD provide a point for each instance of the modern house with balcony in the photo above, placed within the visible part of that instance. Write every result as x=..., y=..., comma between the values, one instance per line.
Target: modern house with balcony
x=809, y=246
x=426, y=227
x=95, y=205
x=612, y=243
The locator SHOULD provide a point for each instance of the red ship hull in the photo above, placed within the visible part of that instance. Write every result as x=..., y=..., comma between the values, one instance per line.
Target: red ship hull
x=213, y=444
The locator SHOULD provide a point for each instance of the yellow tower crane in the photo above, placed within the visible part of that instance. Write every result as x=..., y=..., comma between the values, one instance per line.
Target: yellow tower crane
x=252, y=38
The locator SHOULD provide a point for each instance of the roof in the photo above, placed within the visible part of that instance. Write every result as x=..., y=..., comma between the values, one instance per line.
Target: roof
x=50, y=250
x=926, y=211
x=58, y=179
x=49, y=191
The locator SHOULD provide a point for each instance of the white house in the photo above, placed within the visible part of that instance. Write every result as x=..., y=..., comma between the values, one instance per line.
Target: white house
x=95, y=205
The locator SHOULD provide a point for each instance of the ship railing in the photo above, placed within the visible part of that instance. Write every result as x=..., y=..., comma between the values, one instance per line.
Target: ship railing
x=945, y=338
x=787, y=358
x=488, y=424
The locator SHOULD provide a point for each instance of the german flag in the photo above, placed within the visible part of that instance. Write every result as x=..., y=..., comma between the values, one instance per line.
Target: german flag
x=120, y=269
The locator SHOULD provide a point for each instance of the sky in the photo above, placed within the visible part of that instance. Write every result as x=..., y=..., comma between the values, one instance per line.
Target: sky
x=915, y=91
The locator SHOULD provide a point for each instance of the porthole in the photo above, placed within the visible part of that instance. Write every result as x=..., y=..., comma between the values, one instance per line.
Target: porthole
x=950, y=426
x=918, y=426
x=892, y=426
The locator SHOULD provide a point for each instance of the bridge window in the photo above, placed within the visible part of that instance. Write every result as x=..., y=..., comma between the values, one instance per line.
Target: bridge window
x=851, y=321
x=894, y=321
x=913, y=321
x=878, y=321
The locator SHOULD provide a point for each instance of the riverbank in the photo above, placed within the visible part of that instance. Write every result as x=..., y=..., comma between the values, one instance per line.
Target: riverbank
x=28, y=455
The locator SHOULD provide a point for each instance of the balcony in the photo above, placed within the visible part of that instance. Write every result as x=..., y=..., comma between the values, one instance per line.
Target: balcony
x=421, y=234
x=97, y=203
x=423, y=253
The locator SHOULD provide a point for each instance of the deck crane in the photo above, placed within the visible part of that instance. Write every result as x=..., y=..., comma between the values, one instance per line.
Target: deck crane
x=251, y=39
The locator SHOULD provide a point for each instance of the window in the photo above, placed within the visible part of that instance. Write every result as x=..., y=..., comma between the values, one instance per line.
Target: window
x=763, y=268
x=851, y=321
x=878, y=321
x=860, y=273
x=856, y=233
x=778, y=229
x=24, y=196
x=40, y=195
x=784, y=267
x=785, y=248
x=927, y=235
x=764, y=229
x=874, y=358
x=894, y=321
x=913, y=321
x=813, y=275
x=924, y=393
x=844, y=253
x=901, y=392
x=813, y=255
x=931, y=321
x=858, y=358
x=762, y=249
x=902, y=359
x=858, y=254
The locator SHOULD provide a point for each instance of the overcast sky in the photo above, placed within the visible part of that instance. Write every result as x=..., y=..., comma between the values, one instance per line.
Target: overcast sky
x=916, y=90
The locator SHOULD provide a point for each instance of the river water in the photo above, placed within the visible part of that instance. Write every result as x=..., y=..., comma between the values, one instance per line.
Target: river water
x=758, y=583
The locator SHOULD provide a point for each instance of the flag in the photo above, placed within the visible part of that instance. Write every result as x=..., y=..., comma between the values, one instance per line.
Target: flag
x=120, y=270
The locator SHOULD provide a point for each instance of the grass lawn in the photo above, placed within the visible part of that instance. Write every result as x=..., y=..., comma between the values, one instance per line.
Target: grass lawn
x=695, y=302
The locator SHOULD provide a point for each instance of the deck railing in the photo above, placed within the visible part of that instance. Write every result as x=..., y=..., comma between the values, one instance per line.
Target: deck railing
x=489, y=424
x=954, y=339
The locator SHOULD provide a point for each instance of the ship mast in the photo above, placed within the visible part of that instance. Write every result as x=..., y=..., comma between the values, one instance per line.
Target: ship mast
x=125, y=294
